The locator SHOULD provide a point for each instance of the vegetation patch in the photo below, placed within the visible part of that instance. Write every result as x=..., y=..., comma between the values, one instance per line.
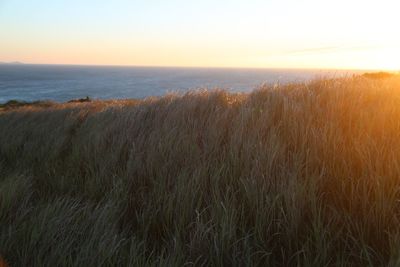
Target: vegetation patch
x=287, y=175
x=379, y=75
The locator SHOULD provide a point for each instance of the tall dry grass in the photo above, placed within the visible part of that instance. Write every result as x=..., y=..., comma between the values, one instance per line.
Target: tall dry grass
x=293, y=175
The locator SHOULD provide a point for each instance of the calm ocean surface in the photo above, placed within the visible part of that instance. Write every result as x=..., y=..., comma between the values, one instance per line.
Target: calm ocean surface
x=62, y=83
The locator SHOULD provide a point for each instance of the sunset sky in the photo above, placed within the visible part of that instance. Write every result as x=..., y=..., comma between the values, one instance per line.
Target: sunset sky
x=236, y=33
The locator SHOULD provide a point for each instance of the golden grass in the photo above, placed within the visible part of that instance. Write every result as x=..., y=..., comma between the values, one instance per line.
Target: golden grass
x=291, y=175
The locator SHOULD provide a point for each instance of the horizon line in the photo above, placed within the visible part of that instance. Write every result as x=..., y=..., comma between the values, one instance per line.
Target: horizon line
x=191, y=67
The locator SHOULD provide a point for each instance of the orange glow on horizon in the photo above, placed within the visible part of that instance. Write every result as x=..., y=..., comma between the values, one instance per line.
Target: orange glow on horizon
x=250, y=34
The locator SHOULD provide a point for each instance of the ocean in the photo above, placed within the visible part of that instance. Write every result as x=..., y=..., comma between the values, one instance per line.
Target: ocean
x=62, y=83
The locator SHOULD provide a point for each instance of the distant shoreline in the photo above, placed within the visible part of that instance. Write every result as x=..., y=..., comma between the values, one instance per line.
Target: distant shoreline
x=12, y=63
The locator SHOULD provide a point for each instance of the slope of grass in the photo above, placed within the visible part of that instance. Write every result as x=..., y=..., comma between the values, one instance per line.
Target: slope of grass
x=294, y=175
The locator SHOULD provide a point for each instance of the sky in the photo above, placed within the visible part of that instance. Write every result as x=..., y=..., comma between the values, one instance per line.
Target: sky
x=340, y=34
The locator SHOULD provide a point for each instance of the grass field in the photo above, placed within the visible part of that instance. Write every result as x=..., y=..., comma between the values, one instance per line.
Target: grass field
x=289, y=175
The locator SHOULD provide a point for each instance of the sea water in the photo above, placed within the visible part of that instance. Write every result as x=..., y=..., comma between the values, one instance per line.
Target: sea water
x=64, y=82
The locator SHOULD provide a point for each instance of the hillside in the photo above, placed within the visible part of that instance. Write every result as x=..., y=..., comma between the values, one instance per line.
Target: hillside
x=290, y=175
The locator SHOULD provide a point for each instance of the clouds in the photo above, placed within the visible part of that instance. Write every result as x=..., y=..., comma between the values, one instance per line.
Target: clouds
x=237, y=33
x=330, y=49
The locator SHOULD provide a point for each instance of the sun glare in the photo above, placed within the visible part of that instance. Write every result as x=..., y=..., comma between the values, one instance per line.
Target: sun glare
x=272, y=34
x=388, y=58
